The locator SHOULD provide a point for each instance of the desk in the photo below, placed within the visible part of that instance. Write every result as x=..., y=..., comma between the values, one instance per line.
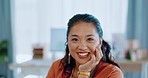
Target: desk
x=132, y=66
x=35, y=67
x=41, y=67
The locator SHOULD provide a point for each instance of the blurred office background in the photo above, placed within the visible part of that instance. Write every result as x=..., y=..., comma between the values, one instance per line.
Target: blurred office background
x=36, y=30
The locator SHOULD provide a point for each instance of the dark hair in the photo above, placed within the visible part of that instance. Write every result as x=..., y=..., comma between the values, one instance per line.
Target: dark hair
x=105, y=46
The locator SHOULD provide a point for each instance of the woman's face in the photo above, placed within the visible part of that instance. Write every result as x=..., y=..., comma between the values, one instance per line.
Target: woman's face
x=83, y=40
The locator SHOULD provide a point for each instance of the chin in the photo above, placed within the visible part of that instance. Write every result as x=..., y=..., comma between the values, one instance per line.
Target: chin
x=82, y=61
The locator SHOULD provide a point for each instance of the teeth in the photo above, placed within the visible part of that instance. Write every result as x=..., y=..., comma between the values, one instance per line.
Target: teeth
x=82, y=54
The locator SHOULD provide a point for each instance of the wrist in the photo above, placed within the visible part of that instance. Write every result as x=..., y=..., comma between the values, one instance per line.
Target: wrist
x=83, y=76
x=84, y=73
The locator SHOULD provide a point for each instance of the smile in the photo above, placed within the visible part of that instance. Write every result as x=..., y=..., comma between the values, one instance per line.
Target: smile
x=83, y=54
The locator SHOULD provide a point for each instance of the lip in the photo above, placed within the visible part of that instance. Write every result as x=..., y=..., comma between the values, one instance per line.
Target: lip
x=83, y=54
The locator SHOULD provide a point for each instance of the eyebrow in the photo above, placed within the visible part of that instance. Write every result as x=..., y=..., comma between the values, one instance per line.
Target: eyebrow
x=90, y=35
x=74, y=35
x=86, y=35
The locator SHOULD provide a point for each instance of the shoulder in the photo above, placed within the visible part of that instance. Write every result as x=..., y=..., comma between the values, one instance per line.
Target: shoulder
x=114, y=71
x=55, y=70
x=57, y=64
x=110, y=67
x=109, y=71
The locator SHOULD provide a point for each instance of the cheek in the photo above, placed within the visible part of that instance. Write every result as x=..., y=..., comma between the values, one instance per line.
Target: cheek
x=93, y=47
x=71, y=47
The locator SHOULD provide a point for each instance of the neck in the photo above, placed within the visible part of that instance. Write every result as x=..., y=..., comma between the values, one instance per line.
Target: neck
x=76, y=67
x=74, y=73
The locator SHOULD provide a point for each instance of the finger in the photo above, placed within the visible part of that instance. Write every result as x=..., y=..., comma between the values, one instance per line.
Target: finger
x=89, y=64
x=101, y=54
x=91, y=61
x=97, y=54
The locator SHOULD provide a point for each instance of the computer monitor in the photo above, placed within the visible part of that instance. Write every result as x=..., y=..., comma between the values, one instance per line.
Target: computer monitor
x=58, y=39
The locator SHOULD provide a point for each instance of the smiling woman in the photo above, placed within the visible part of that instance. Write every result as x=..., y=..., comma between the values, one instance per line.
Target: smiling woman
x=87, y=54
x=40, y=16
x=82, y=41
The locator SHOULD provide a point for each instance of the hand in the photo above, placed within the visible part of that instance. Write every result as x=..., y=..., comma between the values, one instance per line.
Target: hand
x=95, y=59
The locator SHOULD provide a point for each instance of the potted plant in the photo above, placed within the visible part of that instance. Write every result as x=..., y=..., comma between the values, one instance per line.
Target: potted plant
x=3, y=50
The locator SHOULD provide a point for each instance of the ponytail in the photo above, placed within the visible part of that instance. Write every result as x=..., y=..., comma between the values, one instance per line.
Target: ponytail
x=107, y=54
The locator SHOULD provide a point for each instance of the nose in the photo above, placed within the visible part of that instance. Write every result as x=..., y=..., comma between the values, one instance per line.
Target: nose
x=83, y=46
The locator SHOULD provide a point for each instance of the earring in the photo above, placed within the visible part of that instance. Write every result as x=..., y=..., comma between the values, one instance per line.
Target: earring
x=69, y=58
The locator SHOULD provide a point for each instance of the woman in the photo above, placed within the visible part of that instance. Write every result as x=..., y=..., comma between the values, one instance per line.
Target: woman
x=87, y=54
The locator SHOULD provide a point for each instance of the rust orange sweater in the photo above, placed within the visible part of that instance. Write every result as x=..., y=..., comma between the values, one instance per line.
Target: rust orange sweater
x=105, y=71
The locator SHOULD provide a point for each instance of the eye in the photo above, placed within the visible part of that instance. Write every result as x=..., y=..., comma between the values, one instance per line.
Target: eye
x=74, y=39
x=90, y=39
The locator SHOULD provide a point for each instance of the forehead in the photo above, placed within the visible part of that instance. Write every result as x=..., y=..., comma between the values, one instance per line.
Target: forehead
x=83, y=28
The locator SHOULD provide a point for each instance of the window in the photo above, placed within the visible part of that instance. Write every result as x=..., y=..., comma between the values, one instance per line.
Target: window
x=34, y=19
